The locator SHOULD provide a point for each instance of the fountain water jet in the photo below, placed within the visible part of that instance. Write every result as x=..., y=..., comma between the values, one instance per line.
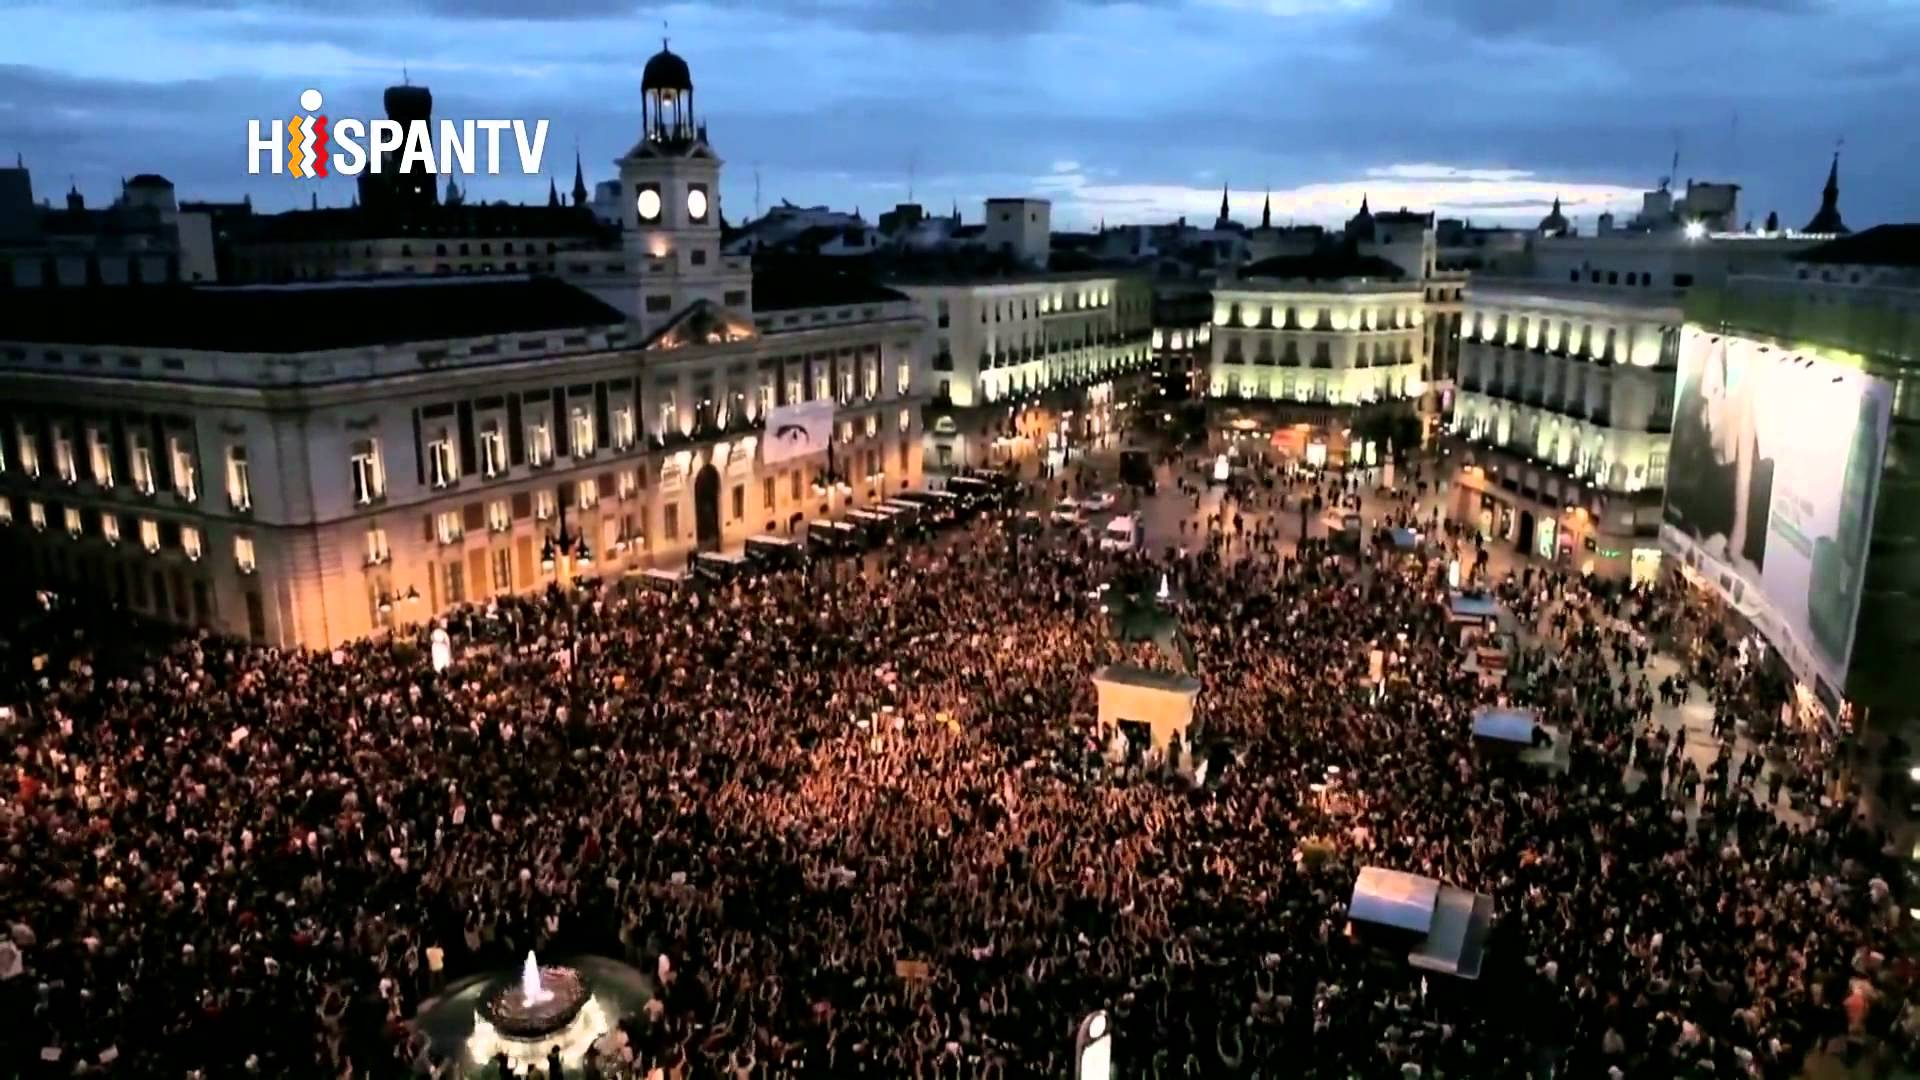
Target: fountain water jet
x=530, y=989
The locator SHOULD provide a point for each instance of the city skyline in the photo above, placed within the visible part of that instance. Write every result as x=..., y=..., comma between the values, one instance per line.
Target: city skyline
x=1127, y=113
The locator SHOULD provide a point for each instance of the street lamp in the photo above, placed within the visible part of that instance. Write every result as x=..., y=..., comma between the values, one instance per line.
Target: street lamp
x=565, y=547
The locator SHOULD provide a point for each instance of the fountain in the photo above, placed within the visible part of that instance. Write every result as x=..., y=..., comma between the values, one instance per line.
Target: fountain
x=548, y=1008
x=530, y=989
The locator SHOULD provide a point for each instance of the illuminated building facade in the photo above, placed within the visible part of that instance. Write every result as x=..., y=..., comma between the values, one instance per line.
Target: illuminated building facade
x=306, y=464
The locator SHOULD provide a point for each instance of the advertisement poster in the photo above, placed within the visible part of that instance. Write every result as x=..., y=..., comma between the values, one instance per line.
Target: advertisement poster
x=1774, y=470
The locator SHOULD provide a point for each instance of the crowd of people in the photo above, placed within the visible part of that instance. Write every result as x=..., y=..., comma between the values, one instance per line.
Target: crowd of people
x=864, y=825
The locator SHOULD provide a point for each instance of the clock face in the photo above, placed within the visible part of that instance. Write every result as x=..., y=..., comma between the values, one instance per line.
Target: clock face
x=648, y=204
x=696, y=204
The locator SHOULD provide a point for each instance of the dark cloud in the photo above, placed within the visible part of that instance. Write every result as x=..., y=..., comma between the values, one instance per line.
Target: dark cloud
x=832, y=98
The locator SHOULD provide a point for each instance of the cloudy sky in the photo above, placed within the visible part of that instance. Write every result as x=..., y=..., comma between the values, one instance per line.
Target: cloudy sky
x=1119, y=111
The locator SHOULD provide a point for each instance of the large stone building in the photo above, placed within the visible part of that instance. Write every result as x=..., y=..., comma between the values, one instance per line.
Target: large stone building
x=144, y=237
x=1565, y=389
x=304, y=464
x=1305, y=350
x=1027, y=363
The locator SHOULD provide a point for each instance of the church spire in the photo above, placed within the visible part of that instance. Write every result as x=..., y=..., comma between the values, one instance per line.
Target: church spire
x=1266, y=211
x=1225, y=214
x=553, y=193
x=1828, y=219
x=579, y=180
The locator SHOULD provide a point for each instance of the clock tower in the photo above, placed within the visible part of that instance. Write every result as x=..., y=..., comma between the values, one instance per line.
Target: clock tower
x=670, y=212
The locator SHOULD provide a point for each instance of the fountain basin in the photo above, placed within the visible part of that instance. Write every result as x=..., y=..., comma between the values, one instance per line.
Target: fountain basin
x=516, y=1010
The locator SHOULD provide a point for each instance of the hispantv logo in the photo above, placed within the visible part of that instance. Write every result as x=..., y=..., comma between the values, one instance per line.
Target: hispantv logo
x=308, y=146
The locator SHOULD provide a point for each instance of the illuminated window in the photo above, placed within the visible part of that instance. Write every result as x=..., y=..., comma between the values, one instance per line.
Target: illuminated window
x=369, y=475
x=239, y=485
x=669, y=417
x=499, y=515
x=185, y=476
x=6, y=510
x=539, y=442
x=543, y=504
x=766, y=493
x=63, y=463
x=903, y=377
x=29, y=452
x=110, y=528
x=99, y=458
x=72, y=518
x=443, y=464
x=493, y=450
x=243, y=554
x=623, y=431
x=587, y=493
x=377, y=549
x=580, y=425
x=906, y=420
x=37, y=514
x=628, y=481
x=446, y=526
x=140, y=462
x=150, y=535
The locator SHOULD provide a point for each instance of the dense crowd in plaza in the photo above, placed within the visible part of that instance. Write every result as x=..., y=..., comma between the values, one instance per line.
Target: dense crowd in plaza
x=222, y=860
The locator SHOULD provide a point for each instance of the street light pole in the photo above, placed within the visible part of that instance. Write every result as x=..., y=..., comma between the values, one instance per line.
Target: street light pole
x=559, y=553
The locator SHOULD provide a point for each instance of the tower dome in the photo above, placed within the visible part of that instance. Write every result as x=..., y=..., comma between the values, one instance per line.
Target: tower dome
x=666, y=96
x=666, y=71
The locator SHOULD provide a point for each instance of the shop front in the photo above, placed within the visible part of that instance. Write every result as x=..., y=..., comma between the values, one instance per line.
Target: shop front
x=1554, y=517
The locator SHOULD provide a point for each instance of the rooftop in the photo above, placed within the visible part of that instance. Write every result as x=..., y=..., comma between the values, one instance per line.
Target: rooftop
x=1329, y=265
x=287, y=320
x=804, y=283
x=1882, y=245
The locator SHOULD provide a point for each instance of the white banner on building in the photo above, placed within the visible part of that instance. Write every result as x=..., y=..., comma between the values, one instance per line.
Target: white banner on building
x=797, y=430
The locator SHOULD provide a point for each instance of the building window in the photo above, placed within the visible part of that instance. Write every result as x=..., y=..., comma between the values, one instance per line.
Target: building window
x=446, y=526
x=499, y=516
x=63, y=462
x=149, y=532
x=377, y=550
x=846, y=386
x=628, y=481
x=543, y=504
x=243, y=554
x=670, y=522
x=906, y=420
x=766, y=493
x=739, y=501
x=1657, y=469
x=623, y=433
x=443, y=463
x=6, y=510
x=369, y=476
x=184, y=478
x=903, y=377
x=189, y=540
x=239, y=485
x=659, y=302
x=820, y=388
x=139, y=462
x=110, y=527
x=37, y=515
x=580, y=424
x=29, y=452
x=454, y=576
x=502, y=561
x=71, y=516
x=539, y=442
x=587, y=493
x=100, y=458
x=493, y=450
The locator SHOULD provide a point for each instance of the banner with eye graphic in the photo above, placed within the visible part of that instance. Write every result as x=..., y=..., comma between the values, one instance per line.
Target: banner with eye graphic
x=797, y=430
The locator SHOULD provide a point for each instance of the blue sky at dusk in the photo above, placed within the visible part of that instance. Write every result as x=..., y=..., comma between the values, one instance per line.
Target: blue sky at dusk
x=1130, y=112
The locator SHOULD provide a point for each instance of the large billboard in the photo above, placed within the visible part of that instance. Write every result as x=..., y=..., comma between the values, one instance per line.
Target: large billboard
x=1771, y=483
